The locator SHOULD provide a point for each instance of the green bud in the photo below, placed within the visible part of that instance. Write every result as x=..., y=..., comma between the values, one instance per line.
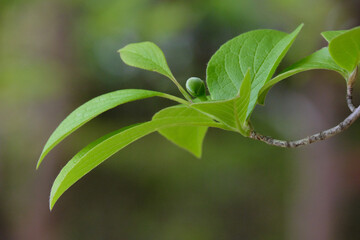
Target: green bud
x=196, y=87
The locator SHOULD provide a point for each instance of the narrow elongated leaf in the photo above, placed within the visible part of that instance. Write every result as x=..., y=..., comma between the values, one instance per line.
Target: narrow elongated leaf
x=103, y=148
x=146, y=55
x=233, y=112
x=259, y=50
x=93, y=108
x=330, y=35
x=189, y=138
x=319, y=60
x=345, y=49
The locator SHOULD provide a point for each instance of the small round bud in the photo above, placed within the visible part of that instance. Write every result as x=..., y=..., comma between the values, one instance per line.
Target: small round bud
x=196, y=87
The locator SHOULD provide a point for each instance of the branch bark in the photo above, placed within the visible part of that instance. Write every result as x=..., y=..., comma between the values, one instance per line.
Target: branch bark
x=321, y=135
x=349, y=90
x=310, y=139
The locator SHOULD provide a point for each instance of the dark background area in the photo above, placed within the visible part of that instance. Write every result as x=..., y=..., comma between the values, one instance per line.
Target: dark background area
x=57, y=54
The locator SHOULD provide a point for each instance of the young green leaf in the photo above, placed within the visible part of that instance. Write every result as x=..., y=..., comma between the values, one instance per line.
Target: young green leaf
x=330, y=35
x=345, y=49
x=233, y=112
x=148, y=56
x=319, y=60
x=189, y=138
x=259, y=50
x=93, y=108
x=103, y=148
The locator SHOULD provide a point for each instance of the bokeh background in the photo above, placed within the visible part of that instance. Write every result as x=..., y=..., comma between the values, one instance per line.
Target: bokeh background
x=57, y=54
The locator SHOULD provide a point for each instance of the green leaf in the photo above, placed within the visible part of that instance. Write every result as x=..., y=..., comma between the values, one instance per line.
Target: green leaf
x=259, y=50
x=146, y=55
x=103, y=148
x=93, y=108
x=233, y=112
x=330, y=35
x=319, y=60
x=189, y=138
x=345, y=49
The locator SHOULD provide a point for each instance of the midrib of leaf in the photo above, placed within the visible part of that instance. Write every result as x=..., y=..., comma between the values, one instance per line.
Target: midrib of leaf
x=256, y=72
x=227, y=73
x=240, y=54
x=253, y=97
x=262, y=62
x=254, y=94
x=256, y=79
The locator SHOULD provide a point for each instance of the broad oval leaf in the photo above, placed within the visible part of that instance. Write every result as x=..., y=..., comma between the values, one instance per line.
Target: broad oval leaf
x=146, y=55
x=319, y=60
x=93, y=108
x=259, y=50
x=345, y=49
x=103, y=148
x=233, y=112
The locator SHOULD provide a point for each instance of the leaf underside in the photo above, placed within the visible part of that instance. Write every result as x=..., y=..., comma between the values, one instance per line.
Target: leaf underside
x=345, y=49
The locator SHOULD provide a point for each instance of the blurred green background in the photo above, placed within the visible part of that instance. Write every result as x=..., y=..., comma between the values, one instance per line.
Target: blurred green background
x=57, y=54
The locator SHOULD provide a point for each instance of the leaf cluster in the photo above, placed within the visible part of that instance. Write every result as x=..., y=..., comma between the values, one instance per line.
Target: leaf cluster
x=238, y=77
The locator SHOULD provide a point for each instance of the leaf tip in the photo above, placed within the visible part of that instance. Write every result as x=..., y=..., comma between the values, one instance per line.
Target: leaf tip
x=51, y=204
x=39, y=161
x=53, y=197
x=198, y=154
x=299, y=28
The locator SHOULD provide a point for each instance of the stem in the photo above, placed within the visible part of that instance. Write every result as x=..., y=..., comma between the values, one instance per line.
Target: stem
x=313, y=138
x=182, y=90
x=349, y=90
x=349, y=97
x=324, y=134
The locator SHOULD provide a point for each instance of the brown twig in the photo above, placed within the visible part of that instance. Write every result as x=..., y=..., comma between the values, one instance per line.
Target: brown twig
x=310, y=139
x=349, y=90
x=321, y=135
